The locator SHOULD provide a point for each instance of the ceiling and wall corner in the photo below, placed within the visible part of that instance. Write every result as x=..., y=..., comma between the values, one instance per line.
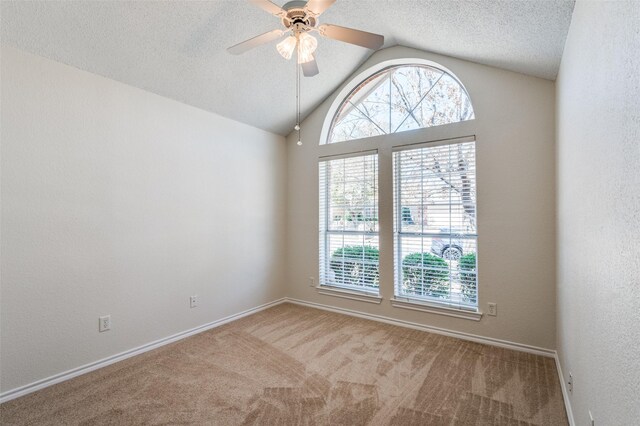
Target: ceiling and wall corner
x=178, y=49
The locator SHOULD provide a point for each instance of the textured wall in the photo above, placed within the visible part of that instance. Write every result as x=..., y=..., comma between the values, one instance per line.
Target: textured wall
x=598, y=115
x=514, y=127
x=117, y=201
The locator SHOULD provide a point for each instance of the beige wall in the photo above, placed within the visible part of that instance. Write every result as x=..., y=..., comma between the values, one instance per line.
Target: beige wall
x=117, y=201
x=598, y=138
x=516, y=203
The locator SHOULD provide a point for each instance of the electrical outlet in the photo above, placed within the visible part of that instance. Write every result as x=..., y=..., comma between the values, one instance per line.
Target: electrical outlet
x=493, y=309
x=193, y=301
x=312, y=282
x=570, y=383
x=104, y=323
x=593, y=422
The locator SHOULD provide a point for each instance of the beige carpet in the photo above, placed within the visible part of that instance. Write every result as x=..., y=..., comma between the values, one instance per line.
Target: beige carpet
x=292, y=365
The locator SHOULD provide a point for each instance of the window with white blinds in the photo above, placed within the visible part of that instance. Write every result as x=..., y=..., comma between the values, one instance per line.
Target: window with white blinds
x=435, y=223
x=349, y=223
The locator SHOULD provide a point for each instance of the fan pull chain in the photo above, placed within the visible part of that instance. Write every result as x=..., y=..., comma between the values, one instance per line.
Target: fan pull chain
x=297, y=126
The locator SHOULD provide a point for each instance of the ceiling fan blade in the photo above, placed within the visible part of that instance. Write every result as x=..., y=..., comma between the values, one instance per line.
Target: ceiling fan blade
x=316, y=7
x=309, y=69
x=349, y=35
x=269, y=7
x=255, y=42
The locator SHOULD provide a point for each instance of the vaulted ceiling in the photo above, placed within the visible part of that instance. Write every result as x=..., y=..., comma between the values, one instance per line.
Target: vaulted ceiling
x=178, y=48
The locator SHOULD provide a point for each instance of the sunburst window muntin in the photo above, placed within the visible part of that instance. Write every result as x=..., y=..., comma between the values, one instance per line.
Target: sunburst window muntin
x=399, y=98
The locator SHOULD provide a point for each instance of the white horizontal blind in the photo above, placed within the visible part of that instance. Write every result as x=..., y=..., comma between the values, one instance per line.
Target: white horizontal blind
x=349, y=223
x=435, y=224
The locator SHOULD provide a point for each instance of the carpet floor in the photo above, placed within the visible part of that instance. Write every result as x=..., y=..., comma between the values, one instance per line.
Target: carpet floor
x=293, y=365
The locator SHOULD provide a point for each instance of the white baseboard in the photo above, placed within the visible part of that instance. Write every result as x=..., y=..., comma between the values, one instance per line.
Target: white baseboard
x=66, y=375
x=464, y=336
x=61, y=377
x=565, y=391
x=437, y=330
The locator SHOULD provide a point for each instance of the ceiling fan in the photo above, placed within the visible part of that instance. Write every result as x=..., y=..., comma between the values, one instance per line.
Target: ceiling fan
x=300, y=18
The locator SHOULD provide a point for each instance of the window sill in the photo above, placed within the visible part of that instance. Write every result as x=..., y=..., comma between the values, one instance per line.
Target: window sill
x=435, y=309
x=349, y=294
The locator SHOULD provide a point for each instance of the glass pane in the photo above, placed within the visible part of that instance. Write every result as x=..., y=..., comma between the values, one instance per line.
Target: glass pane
x=355, y=125
x=439, y=268
x=447, y=102
x=352, y=201
x=410, y=84
x=349, y=222
x=375, y=106
x=435, y=223
x=398, y=99
x=352, y=260
x=438, y=189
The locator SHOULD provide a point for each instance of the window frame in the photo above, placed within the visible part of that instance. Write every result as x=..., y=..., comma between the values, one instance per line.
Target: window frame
x=348, y=89
x=324, y=286
x=428, y=303
x=384, y=145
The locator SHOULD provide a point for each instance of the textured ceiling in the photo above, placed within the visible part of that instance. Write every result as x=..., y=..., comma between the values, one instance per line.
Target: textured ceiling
x=177, y=48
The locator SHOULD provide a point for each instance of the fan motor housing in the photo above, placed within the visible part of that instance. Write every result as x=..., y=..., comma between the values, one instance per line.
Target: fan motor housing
x=296, y=16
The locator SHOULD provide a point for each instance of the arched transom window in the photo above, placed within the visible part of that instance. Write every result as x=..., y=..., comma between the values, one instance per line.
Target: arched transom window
x=400, y=98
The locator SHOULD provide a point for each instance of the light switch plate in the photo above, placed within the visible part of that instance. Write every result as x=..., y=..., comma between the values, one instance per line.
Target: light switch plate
x=493, y=309
x=104, y=323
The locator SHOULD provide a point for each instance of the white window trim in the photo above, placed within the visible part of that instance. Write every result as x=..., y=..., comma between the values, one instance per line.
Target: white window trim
x=434, y=308
x=361, y=296
x=417, y=303
x=450, y=133
x=371, y=296
x=357, y=80
x=437, y=142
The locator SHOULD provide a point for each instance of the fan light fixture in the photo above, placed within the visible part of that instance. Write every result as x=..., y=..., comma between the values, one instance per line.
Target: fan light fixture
x=306, y=43
x=287, y=46
x=299, y=17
